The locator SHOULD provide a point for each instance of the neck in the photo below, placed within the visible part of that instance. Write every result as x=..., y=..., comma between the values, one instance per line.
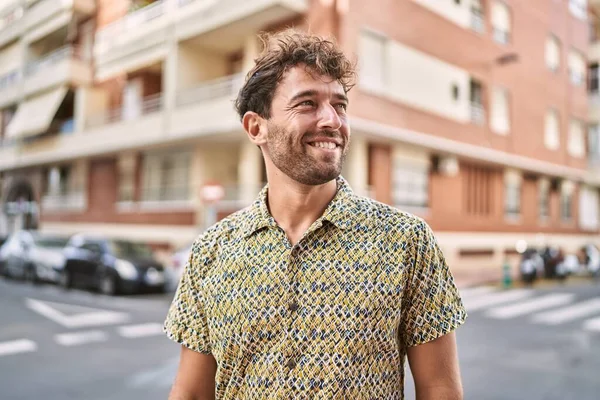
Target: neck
x=295, y=206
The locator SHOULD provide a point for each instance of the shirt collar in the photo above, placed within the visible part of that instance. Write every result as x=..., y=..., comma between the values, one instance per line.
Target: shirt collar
x=338, y=212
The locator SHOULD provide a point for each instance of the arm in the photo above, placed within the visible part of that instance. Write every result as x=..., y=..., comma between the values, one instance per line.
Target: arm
x=195, y=378
x=434, y=366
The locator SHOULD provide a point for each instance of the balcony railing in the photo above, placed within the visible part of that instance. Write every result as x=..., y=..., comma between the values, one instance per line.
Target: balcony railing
x=143, y=15
x=477, y=113
x=75, y=201
x=10, y=79
x=501, y=36
x=221, y=87
x=477, y=21
x=50, y=59
x=148, y=105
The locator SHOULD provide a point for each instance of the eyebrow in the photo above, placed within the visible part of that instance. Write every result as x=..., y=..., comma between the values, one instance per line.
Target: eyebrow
x=311, y=93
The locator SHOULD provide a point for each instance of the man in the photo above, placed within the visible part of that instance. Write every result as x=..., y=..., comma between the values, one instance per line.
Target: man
x=313, y=291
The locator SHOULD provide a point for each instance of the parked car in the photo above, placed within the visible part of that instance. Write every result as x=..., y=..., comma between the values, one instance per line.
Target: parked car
x=590, y=259
x=111, y=266
x=3, y=253
x=531, y=265
x=34, y=256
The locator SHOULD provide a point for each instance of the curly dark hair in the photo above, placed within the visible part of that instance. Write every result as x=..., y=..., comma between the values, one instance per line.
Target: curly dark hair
x=282, y=51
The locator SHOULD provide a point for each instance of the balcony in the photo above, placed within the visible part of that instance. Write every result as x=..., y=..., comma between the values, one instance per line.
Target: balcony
x=594, y=51
x=48, y=15
x=477, y=114
x=142, y=36
x=71, y=202
x=210, y=102
x=10, y=88
x=477, y=21
x=11, y=26
x=61, y=67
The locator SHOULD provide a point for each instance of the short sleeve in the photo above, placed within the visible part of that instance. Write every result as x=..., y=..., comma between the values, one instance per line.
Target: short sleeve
x=186, y=321
x=431, y=306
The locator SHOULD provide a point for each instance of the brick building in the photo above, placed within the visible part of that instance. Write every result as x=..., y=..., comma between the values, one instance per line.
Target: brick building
x=471, y=114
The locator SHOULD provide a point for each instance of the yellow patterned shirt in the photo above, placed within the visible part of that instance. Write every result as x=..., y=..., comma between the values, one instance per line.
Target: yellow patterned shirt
x=328, y=318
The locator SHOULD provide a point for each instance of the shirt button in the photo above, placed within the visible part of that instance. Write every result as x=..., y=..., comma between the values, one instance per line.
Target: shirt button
x=291, y=364
x=293, y=306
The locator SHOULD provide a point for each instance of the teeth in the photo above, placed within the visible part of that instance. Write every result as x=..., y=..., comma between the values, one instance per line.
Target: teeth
x=324, y=145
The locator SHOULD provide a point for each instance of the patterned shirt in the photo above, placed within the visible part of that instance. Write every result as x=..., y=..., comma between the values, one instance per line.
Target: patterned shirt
x=328, y=318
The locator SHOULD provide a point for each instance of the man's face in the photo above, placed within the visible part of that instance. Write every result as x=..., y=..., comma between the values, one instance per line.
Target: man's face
x=308, y=132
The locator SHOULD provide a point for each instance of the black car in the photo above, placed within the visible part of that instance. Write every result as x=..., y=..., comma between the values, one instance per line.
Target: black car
x=111, y=266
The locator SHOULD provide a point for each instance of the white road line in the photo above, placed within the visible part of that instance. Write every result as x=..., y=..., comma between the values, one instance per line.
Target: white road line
x=92, y=316
x=493, y=299
x=592, y=325
x=17, y=346
x=78, y=338
x=527, y=307
x=567, y=314
x=141, y=330
x=477, y=291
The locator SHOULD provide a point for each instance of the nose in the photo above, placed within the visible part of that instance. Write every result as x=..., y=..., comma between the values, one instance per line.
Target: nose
x=329, y=119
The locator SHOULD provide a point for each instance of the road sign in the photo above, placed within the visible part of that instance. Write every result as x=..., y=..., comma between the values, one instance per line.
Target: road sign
x=212, y=193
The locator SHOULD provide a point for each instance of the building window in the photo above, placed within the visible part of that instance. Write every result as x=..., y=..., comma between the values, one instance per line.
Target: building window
x=566, y=204
x=166, y=177
x=552, y=130
x=410, y=184
x=544, y=199
x=477, y=108
x=578, y=8
x=594, y=143
x=501, y=22
x=588, y=208
x=500, y=114
x=593, y=85
x=372, y=60
x=576, y=145
x=577, y=68
x=477, y=16
x=512, y=194
x=553, y=53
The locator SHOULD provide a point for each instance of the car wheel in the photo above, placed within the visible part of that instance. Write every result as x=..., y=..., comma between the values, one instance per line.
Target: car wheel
x=31, y=274
x=108, y=285
x=64, y=280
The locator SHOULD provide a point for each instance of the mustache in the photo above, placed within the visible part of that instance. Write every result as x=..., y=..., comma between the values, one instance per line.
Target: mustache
x=327, y=134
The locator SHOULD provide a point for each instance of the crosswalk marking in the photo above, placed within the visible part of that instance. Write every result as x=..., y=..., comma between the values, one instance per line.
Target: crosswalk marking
x=78, y=338
x=17, y=346
x=592, y=325
x=141, y=330
x=476, y=291
x=529, y=306
x=493, y=299
x=567, y=314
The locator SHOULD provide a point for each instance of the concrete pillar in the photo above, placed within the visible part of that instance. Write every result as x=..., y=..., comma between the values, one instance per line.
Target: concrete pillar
x=169, y=84
x=249, y=172
x=252, y=48
x=356, y=168
x=197, y=179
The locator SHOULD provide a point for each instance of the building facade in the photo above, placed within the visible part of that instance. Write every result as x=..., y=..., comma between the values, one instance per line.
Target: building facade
x=471, y=114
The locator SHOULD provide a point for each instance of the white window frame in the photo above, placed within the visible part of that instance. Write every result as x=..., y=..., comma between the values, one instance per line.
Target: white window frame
x=553, y=53
x=410, y=184
x=367, y=79
x=552, y=129
x=576, y=143
x=512, y=194
x=577, y=67
x=500, y=111
x=501, y=22
x=158, y=185
x=543, y=200
x=578, y=8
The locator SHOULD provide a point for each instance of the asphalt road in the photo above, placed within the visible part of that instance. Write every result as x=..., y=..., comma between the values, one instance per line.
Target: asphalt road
x=539, y=344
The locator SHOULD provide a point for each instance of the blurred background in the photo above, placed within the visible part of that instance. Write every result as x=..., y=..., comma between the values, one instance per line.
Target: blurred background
x=119, y=144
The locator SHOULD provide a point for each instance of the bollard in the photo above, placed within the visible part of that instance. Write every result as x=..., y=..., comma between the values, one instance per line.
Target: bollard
x=506, y=277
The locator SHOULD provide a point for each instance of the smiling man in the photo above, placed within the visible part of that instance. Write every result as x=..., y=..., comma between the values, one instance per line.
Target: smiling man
x=312, y=291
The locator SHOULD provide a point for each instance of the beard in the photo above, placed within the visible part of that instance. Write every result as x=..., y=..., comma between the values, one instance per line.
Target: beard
x=301, y=161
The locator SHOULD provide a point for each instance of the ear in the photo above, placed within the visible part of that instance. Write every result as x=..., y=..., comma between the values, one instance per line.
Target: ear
x=255, y=127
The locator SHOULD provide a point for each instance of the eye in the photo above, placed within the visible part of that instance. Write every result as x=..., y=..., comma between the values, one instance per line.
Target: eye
x=343, y=106
x=308, y=103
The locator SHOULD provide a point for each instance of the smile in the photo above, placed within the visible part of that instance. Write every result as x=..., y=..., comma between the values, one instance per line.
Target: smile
x=324, y=145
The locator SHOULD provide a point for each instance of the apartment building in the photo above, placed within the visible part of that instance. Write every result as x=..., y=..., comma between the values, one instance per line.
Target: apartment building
x=470, y=113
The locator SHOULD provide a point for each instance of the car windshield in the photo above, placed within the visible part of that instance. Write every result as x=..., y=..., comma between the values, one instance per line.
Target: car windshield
x=50, y=242
x=122, y=249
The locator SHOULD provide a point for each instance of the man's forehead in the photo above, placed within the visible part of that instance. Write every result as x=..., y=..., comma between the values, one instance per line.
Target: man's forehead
x=301, y=79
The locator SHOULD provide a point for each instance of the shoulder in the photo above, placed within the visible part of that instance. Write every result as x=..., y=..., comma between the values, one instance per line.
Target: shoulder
x=387, y=218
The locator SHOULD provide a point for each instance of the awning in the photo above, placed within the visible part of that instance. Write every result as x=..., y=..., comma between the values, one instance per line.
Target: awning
x=35, y=115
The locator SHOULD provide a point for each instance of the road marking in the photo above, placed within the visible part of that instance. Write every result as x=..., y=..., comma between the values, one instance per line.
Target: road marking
x=527, y=307
x=17, y=346
x=496, y=298
x=469, y=293
x=141, y=330
x=570, y=313
x=592, y=325
x=84, y=316
x=77, y=338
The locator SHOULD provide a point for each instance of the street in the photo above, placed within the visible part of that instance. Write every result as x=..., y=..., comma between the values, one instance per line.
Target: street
x=517, y=344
